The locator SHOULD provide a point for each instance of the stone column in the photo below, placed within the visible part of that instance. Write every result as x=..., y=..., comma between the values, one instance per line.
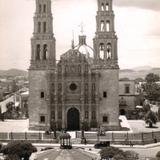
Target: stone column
x=82, y=97
x=97, y=97
x=89, y=99
x=63, y=104
x=55, y=95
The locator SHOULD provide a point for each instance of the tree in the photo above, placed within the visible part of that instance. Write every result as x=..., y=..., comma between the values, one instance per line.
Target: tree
x=18, y=149
x=151, y=118
x=146, y=107
x=1, y=146
x=1, y=115
x=118, y=154
x=12, y=112
x=158, y=113
x=137, y=80
x=119, y=157
x=151, y=78
x=124, y=79
x=131, y=155
x=158, y=155
x=151, y=88
x=110, y=152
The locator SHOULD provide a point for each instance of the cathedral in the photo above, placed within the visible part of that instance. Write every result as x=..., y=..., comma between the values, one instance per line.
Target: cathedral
x=81, y=89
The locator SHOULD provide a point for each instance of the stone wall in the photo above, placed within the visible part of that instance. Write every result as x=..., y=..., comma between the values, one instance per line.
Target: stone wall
x=109, y=106
x=38, y=106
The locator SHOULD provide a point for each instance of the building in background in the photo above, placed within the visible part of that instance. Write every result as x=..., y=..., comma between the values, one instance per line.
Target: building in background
x=129, y=97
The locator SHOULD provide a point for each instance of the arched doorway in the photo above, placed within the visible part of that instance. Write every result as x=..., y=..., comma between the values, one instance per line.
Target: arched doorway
x=73, y=121
x=122, y=112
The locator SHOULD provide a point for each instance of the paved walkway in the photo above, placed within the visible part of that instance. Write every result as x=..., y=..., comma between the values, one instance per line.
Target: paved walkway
x=47, y=155
x=57, y=154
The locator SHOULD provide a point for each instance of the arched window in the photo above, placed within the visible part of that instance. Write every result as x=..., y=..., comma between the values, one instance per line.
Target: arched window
x=66, y=69
x=38, y=50
x=105, y=119
x=109, y=51
x=39, y=27
x=93, y=115
x=108, y=26
x=44, y=27
x=79, y=69
x=40, y=8
x=86, y=69
x=59, y=87
x=86, y=99
x=53, y=116
x=86, y=87
x=44, y=52
x=59, y=114
x=102, y=26
x=86, y=114
x=102, y=7
x=101, y=50
x=93, y=87
x=44, y=8
x=59, y=69
x=107, y=7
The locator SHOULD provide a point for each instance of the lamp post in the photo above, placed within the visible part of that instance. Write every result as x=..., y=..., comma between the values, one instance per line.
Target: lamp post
x=98, y=134
x=83, y=139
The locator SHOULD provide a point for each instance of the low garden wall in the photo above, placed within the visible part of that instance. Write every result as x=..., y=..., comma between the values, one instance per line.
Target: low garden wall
x=122, y=138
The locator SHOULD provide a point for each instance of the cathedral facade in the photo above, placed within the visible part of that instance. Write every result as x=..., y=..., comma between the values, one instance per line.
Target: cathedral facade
x=81, y=89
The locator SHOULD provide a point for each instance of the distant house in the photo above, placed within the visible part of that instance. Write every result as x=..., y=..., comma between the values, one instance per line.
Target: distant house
x=7, y=87
x=24, y=102
x=129, y=98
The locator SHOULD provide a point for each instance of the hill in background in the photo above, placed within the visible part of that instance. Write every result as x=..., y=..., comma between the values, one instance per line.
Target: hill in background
x=13, y=73
x=138, y=72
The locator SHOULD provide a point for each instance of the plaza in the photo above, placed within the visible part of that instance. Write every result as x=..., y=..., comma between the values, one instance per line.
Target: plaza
x=21, y=126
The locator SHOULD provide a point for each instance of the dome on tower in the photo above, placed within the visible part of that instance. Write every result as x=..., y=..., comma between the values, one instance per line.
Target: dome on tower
x=83, y=48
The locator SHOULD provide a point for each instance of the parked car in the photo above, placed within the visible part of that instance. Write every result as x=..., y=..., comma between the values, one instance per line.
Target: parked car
x=102, y=144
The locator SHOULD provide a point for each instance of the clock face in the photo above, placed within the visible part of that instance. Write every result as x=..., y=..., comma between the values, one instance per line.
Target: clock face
x=73, y=86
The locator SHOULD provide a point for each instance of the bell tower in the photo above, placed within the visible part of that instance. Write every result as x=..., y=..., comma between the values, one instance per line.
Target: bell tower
x=42, y=66
x=43, y=41
x=106, y=64
x=105, y=41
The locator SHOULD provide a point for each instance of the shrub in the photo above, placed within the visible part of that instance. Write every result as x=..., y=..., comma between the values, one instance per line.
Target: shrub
x=110, y=152
x=118, y=154
x=18, y=150
x=158, y=154
x=151, y=118
x=131, y=155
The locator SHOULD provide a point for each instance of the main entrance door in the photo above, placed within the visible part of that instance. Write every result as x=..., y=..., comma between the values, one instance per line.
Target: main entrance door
x=73, y=119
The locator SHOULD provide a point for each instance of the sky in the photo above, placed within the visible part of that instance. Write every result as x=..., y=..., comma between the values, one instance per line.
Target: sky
x=137, y=25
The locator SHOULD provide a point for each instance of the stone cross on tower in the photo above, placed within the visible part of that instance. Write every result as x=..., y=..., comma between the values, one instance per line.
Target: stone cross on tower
x=82, y=28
